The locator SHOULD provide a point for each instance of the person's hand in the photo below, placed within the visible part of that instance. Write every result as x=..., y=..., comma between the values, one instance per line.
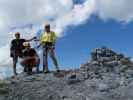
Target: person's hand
x=34, y=37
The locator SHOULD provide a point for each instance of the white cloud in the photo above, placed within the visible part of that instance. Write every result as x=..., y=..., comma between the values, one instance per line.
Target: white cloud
x=78, y=15
x=119, y=10
x=4, y=53
x=60, y=13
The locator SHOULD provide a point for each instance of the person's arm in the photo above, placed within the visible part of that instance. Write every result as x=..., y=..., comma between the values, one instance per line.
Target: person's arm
x=11, y=45
x=34, y=38
x=11, y=49
x=41, y=41
x=54, y=38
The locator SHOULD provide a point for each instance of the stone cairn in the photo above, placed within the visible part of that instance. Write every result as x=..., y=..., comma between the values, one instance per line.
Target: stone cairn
x=106, y=55
x=105, y=61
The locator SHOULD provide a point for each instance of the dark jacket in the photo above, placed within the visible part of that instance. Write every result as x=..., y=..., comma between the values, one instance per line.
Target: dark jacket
x=17, y=47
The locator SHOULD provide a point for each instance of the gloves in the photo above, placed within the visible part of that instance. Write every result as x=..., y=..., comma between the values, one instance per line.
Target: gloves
x=34, y=37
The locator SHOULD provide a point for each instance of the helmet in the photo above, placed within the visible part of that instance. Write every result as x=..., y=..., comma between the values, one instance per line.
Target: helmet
x=17, y=33
x=26, y=44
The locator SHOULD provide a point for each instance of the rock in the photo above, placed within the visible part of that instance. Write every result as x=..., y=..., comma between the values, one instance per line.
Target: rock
x=108, y=76
x=103, y=87
x=105, y=54
x=72, y=78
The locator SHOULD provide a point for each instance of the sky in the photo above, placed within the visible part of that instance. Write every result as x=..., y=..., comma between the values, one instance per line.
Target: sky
x=81, y=25
x=80, y=40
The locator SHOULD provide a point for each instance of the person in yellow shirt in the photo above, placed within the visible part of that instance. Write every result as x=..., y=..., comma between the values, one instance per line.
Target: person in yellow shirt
x=47, y=41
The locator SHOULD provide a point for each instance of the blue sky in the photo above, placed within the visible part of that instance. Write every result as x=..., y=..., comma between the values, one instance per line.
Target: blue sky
x=74, y=49
x=87, y=24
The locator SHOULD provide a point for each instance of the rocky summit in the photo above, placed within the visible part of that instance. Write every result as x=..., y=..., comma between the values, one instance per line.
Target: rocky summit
x=107, y=76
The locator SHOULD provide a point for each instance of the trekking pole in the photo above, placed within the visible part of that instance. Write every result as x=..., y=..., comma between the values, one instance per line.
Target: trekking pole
x=44, y=58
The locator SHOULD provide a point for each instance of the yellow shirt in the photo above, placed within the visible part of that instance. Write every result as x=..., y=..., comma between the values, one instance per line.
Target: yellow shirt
x=48, y=37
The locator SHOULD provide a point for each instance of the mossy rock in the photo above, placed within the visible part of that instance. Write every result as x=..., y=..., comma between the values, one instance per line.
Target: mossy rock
x=3, y=88
x=125, y=62
x=3, y=91
x=3, y=84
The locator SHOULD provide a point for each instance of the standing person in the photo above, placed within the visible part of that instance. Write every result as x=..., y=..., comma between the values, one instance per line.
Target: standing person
x=16, y=49
x=47, y=40
x=30, y=58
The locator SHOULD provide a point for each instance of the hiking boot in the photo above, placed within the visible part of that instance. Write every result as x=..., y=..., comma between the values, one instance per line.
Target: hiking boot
x=15, y=74
x=29, y=73
x=57, y=70
x=46, y=71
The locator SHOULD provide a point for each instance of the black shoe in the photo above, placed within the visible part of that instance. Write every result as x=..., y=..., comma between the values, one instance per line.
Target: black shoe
x=47, y=71
x=25, y=70
x=58, y=70
x=15, y=74
x=29, y=73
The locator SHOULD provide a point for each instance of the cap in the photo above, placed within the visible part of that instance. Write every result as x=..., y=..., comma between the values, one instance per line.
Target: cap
x=26, y=44
x=17, y=33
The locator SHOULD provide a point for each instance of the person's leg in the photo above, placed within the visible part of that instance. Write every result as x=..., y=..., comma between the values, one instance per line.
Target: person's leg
x=52, y=55
x=23, y=64
x=45, y=59
x=30, y=70
x=29, y=66
x=25, y=68
x=15, y=60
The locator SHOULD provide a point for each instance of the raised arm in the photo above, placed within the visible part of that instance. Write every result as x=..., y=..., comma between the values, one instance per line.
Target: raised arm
x=34, y=38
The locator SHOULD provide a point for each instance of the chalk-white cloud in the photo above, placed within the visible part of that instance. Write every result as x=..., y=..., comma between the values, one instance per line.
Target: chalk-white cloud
x=77, y=15
x=119, y=10
x=16, y=14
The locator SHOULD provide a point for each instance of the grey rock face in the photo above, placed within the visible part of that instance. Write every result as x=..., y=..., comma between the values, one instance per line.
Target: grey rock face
x=108, y=76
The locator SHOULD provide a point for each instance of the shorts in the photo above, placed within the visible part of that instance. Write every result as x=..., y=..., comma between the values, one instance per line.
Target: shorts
x=15, y=59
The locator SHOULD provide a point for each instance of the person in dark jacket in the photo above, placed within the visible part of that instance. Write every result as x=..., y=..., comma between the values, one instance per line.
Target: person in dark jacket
x=30, y=58
x=16, y=49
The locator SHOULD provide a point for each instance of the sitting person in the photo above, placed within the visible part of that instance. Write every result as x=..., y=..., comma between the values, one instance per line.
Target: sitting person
x=30, y=58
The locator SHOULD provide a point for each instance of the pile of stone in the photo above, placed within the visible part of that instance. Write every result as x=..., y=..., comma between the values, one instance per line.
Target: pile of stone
x=106, y=55
x=105, y=62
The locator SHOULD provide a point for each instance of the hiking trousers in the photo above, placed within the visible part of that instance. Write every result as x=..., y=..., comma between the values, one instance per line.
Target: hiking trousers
x=51, y=51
